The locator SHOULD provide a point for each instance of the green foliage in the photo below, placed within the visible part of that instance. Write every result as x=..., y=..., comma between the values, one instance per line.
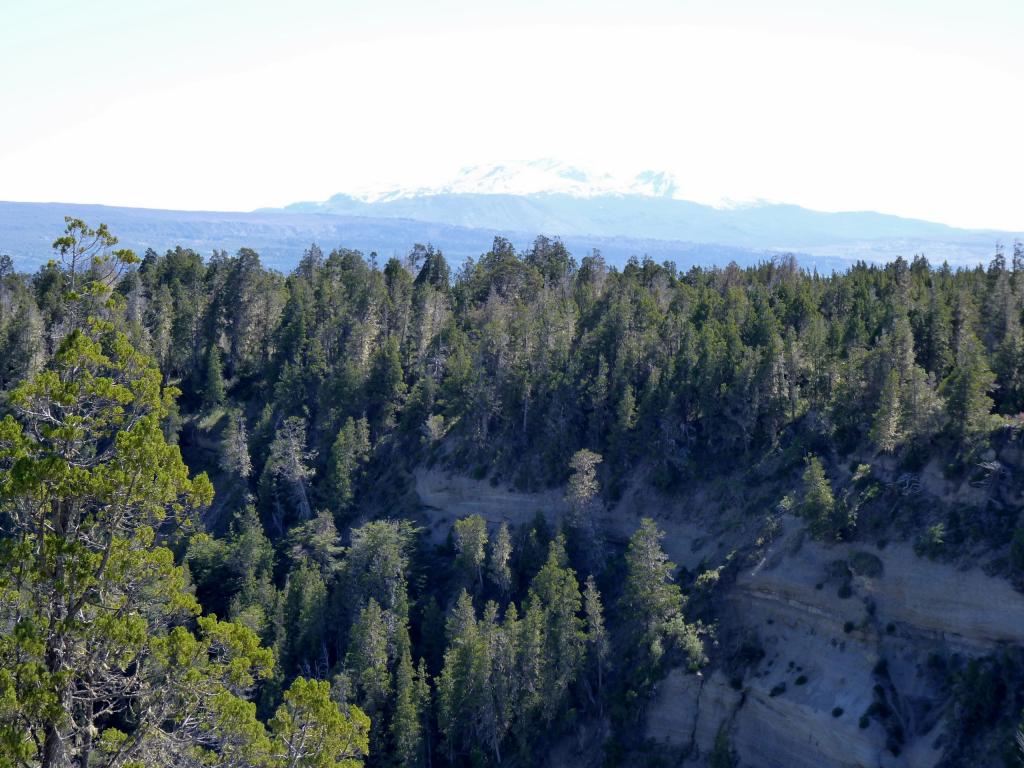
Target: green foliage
x=213, y=391
x=320, y=395
x=932, y=541
x=89, y=491
x=653, y=605
x=498, y=560
x=471, y=546
x=348, y=454
x=412, y=699
x=722, y=754
x=966, y=390
x=826, y=518
x=309, y=718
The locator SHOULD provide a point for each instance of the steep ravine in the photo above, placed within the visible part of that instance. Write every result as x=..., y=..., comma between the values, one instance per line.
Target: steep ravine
x=836, y=627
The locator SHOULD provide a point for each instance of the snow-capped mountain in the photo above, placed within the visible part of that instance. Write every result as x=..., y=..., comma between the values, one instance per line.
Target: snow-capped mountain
x=558, y=199
x=536, y=177
x=622, y=215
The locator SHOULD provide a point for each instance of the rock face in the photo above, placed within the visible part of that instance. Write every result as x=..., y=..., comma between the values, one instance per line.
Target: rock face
x=837, y=629
x=446, y=498
x=832, y=637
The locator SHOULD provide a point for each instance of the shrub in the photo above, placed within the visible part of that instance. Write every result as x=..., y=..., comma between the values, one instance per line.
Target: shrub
x=866, y=564
x=930, y=543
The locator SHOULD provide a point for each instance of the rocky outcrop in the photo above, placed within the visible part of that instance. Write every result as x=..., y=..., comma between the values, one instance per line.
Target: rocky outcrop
x=446, y=498
x=840, y=628
x=832, y=638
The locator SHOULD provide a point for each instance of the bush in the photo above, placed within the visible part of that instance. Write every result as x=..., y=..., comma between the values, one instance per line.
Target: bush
x=866, y=564
x=931, y=543
x=722, y=755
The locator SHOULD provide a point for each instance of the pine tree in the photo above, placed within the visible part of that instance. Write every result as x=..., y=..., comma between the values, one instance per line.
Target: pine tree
x=885, y=429
x=966, y=390
x=597, y=640
x=310, y=731
x=376, y=567
x=385, y=388
x=826, y=519
x=652, y=604
x=304, y=608
x=556, y=591
x=289, y=461
x=581, y=493
x=350, y=450
x=104, y=616
x=234, y=447
x=498, y=563
x=407, y=718
x=213, y=391
x=583, y=486
x=471, y=545
x=463, y=687
x=367, y=659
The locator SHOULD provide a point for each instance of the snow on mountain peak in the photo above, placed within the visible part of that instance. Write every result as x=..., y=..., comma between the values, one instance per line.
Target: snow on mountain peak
x=537, y=177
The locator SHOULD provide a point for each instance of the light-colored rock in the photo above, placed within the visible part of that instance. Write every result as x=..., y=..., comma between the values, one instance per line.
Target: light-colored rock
x=447, y=498
x=913, y=608
x=966, y=609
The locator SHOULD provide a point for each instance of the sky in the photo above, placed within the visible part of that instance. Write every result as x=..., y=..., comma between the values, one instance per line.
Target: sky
x=901, y=106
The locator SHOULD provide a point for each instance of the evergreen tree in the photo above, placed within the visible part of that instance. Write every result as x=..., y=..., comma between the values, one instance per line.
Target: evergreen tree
x=966, y=389
x=99, y=606
x=308, y=717
x=885, y=430
x=367, y=660
x=653, y=604
x=213, y=392
x=463, y=688
x=826, y=519
x=471, y=546
x=350, y=450
x=555, y=590
x=597, y=641
x=410, y=703
x=498, y=562
x=234, y=447
x=581, y=493
x=289, y=465
x=304, y=607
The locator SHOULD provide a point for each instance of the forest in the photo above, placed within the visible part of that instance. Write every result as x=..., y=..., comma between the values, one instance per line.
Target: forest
x=211, y=548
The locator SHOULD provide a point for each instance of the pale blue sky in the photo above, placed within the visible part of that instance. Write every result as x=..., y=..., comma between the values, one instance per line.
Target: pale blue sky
x=906, y=107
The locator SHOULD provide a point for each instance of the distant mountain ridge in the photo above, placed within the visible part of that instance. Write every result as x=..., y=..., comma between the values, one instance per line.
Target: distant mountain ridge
x=551, y=197
x=622, y=215
x=27, y=231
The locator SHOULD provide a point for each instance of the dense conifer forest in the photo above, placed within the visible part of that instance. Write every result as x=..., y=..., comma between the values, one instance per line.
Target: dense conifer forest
x=212, y=553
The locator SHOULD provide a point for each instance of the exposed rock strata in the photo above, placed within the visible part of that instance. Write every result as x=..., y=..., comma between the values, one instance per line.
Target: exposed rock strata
x=823, y=635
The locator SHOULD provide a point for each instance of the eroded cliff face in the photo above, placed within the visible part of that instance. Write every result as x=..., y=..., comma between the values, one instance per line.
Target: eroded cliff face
x=846, y=635
x=833, y=646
